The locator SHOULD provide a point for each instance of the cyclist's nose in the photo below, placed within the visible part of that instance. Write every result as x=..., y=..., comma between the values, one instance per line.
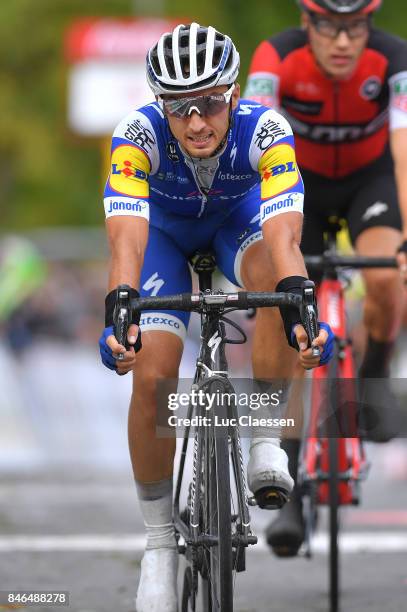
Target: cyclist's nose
x=196, y=122
x=343, y=40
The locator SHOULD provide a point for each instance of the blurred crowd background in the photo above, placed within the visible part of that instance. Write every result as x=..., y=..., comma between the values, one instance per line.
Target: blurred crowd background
x=56, y=399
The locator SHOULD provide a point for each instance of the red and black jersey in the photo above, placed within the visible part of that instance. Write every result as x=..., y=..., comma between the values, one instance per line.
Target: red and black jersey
x=340, y=126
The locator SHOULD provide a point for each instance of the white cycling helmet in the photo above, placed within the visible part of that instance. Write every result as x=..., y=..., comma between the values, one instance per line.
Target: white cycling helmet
x=191, y=58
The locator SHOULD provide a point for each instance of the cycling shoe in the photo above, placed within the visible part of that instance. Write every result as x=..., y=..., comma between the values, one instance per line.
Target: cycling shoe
x=379, y=410
x=286, y=534
x=267, y=473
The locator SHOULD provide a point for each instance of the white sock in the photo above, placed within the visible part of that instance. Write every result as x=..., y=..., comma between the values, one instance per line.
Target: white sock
x=267, y=433
x=156, y=507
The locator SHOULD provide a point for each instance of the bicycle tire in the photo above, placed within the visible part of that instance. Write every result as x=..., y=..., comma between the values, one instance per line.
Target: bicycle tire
x=333, y=489
x=187, y=592
x=219, y=519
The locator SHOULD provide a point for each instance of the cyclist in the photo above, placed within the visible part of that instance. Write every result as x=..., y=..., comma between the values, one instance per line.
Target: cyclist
x=194, y=169
x=342, y=85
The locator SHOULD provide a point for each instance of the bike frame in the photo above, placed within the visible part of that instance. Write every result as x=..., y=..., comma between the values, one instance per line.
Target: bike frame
x=212, y=367
x=351, y=458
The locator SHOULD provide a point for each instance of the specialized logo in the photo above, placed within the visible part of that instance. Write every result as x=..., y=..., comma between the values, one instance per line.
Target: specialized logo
x=140, y=135
x=213, y=343
x=278, y=170
x=246, y=109
x=375, y=210
x=172, y=152
x=136, y=208
x=371, y=88
x=267, y=134
x=153, y=284
x=129, y=171
x=292, y=202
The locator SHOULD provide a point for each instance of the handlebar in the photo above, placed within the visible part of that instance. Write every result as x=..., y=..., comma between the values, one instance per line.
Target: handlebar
x=215, y=301
x=332, y=260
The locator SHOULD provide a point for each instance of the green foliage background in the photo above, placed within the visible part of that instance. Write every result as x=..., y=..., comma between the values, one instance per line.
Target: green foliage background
x=50, y=177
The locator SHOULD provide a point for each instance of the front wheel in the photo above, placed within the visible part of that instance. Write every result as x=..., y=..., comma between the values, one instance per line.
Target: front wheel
x=218, y=521
x=333, y=526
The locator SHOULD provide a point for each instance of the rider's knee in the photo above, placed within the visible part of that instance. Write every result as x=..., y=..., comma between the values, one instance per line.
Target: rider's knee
x=385, y=289
x=256, y=270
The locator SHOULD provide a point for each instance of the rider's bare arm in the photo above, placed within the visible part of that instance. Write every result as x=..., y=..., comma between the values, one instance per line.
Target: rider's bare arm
x=127, y=238
x=398, y=142
x=282, y=235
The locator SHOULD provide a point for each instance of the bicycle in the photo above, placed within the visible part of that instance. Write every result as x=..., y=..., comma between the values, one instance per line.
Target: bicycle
x=333, y=461
x=211, y=537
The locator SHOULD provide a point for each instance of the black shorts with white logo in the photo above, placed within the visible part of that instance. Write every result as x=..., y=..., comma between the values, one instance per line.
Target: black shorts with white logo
x=367, y=198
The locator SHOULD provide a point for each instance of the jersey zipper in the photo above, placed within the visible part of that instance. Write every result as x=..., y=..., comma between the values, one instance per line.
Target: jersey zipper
x=336, y=123
x=204, y=192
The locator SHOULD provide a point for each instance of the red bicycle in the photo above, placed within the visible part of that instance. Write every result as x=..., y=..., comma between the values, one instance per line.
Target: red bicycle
x=333, y=461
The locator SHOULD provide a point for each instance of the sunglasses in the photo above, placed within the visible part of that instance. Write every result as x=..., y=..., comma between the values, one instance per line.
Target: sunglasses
x=206, y=106
x=331, y=28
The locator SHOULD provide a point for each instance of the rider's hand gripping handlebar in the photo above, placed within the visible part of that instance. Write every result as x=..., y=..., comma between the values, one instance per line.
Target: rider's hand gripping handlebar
x=122, y=316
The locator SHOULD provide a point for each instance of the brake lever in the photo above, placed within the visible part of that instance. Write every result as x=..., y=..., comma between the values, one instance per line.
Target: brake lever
x=122, y=317
x=309, y=314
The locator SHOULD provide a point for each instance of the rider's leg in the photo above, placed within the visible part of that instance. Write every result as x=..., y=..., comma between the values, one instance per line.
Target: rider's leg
x=286, y=533
x=272, y=358
x=383, y=310
x=165, y=270
x=152, y=460
x=384, y=303
x=374, y=224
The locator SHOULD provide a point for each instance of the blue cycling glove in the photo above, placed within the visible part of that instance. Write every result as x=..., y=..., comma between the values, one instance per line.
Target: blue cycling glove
x=329, y=345
x=105, y=351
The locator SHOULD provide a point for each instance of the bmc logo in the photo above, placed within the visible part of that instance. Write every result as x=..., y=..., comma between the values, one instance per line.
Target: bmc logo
x=280, y=169
x=128, y=171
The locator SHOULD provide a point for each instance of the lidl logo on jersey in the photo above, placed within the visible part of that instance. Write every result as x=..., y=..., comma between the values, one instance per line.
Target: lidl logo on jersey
x=291, y=202
x=278, y=170
x=129, y=171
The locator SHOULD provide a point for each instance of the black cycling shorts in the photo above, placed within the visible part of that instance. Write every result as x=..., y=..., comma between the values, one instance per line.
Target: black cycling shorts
x=367, y=198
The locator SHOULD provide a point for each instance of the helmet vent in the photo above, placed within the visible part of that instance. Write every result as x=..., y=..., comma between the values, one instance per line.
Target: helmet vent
x=154, y=61
x=169, y=61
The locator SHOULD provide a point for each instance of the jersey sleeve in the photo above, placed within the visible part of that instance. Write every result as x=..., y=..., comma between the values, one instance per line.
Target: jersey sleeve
x=264, y=76
x=394, y=49
x=398, y=100
x=134, y=155
x=272, y=155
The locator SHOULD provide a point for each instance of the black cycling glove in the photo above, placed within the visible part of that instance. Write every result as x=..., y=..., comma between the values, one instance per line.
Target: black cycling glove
x=111, y=302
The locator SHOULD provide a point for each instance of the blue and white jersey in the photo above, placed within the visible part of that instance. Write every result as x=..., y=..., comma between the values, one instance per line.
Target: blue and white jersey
x=152, y=177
